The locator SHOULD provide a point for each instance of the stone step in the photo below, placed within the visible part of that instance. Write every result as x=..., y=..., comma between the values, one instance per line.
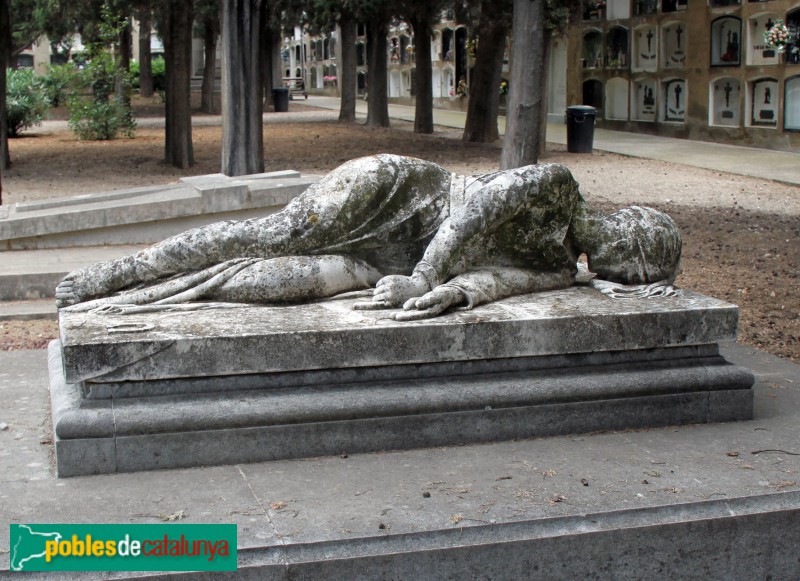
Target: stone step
x=28, y=310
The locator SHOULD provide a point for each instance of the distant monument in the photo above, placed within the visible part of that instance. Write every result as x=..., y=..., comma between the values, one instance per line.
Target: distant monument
x=427, y=239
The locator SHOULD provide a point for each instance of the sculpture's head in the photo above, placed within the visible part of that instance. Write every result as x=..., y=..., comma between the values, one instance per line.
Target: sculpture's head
x=634, y=246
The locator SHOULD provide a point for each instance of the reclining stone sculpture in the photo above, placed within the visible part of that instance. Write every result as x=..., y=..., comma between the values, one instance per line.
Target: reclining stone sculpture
x=426, y=239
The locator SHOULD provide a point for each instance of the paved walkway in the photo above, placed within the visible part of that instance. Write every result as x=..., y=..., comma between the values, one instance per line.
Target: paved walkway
x=779, y=166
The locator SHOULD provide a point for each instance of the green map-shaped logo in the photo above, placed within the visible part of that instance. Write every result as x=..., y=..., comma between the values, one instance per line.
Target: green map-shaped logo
x=28, y=546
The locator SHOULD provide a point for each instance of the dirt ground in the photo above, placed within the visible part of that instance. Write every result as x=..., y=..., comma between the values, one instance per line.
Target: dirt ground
x=741, y=235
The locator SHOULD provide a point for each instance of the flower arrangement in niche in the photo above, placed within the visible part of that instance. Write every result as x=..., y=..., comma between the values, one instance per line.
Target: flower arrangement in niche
x=780, y=36
x=504, y=87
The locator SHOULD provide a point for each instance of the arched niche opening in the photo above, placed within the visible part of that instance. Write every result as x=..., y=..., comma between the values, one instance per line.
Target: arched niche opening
x=593, y=94
x=726, y=42
x=617, y=101
x=643, y=100
x=674, y=42
x=725, y=103
x=645, y=48
x=617, y=48
x=762, y=103
x=758, y=51
x=674, y=100
x=791, y=104
x=592, y=52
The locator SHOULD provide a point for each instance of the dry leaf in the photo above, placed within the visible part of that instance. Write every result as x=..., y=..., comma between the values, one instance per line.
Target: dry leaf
x=279, y=505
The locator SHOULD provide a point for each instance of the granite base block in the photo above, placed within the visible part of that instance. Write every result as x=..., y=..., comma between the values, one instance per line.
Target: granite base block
x=154, y=432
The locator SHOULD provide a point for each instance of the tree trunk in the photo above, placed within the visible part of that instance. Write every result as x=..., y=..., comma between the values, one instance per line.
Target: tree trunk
x=265, y=60
x=347, y=69
x=377, y=90
x=484, y=90
x=178, y=57
x=242, y=123
x=125, y=54
x=423, y=110
x=5, y=51
x=545, y=82
x=145, y=65
x=527, y=94
x=209, y=68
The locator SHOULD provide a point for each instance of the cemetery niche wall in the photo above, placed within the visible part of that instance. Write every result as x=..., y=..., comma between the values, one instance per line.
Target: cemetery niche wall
x=698, y=70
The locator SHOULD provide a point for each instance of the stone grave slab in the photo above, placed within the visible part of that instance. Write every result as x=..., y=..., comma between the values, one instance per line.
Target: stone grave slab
x=253, y=383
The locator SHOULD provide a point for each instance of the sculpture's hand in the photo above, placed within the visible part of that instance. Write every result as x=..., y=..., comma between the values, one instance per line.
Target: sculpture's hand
x=432, y=304
x=394, y=290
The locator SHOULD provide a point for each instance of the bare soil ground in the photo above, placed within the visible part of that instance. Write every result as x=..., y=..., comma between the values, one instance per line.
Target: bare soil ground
x=741, y=235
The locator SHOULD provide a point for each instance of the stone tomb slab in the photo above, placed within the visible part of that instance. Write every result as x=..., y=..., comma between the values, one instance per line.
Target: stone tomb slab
x=253, y=383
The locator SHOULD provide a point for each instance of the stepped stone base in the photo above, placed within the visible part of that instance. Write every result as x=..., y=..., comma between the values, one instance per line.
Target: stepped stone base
x=248, y=384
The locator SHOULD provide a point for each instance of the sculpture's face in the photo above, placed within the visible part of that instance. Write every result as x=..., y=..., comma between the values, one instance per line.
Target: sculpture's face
x=636, y=246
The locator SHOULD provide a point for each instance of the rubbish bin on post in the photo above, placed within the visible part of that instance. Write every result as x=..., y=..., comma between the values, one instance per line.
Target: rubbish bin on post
x=580, y=128
x=280, y=99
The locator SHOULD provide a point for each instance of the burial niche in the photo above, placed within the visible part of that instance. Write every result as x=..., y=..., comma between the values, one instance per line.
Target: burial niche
x=592, y=49
x=791, y=111
x=645, y=7
x=618, y=9
x=593, y=94
x=758, y=51
x=643, y=100
x=673, y=5
x=645, y=49
x=725, y=103
x=763, y=103
x=726, y=35
x=617, y=48
x=674, y=41
x=617, y=99
x=674, y=100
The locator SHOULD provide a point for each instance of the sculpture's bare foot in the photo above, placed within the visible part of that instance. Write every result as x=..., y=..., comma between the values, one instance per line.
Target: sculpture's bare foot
x=98, y=280
x=394, y=290
x=68, y=291
x=431, y=304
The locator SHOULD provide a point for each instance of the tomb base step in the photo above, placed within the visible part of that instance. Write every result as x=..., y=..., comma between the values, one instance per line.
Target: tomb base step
x=626, y=390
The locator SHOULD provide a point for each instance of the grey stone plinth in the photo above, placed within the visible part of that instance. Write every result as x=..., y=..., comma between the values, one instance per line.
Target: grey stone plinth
x=540, y=365
x=147, y=214
x=329, y=334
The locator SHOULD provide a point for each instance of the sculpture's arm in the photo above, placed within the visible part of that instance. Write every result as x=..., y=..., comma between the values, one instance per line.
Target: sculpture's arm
x=469, y=225
x=478, y=287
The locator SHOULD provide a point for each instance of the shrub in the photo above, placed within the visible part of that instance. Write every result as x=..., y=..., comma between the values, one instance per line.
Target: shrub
x=159, y=75
x=58, y=81
x=100, y=120
x=93, y=113
x=26, y=101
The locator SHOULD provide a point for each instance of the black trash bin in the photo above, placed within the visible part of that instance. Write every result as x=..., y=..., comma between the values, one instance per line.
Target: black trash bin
x=280, y=99
x=580, y=128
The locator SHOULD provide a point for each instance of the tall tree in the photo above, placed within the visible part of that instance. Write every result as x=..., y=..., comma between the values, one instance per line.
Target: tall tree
x=377, y=88
x=144, y=15
x=491, y=31
x=5, y=53
x=348, y=75
x=528, y=93
x=207, y=17
x=177, y=19
x=422, y=15
x=242, y=123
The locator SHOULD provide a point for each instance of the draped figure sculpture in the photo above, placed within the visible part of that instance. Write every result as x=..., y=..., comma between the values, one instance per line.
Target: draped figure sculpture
x=426, y=239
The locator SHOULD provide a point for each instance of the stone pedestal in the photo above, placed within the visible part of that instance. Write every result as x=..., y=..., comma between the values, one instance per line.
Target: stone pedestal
x=253, y=383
